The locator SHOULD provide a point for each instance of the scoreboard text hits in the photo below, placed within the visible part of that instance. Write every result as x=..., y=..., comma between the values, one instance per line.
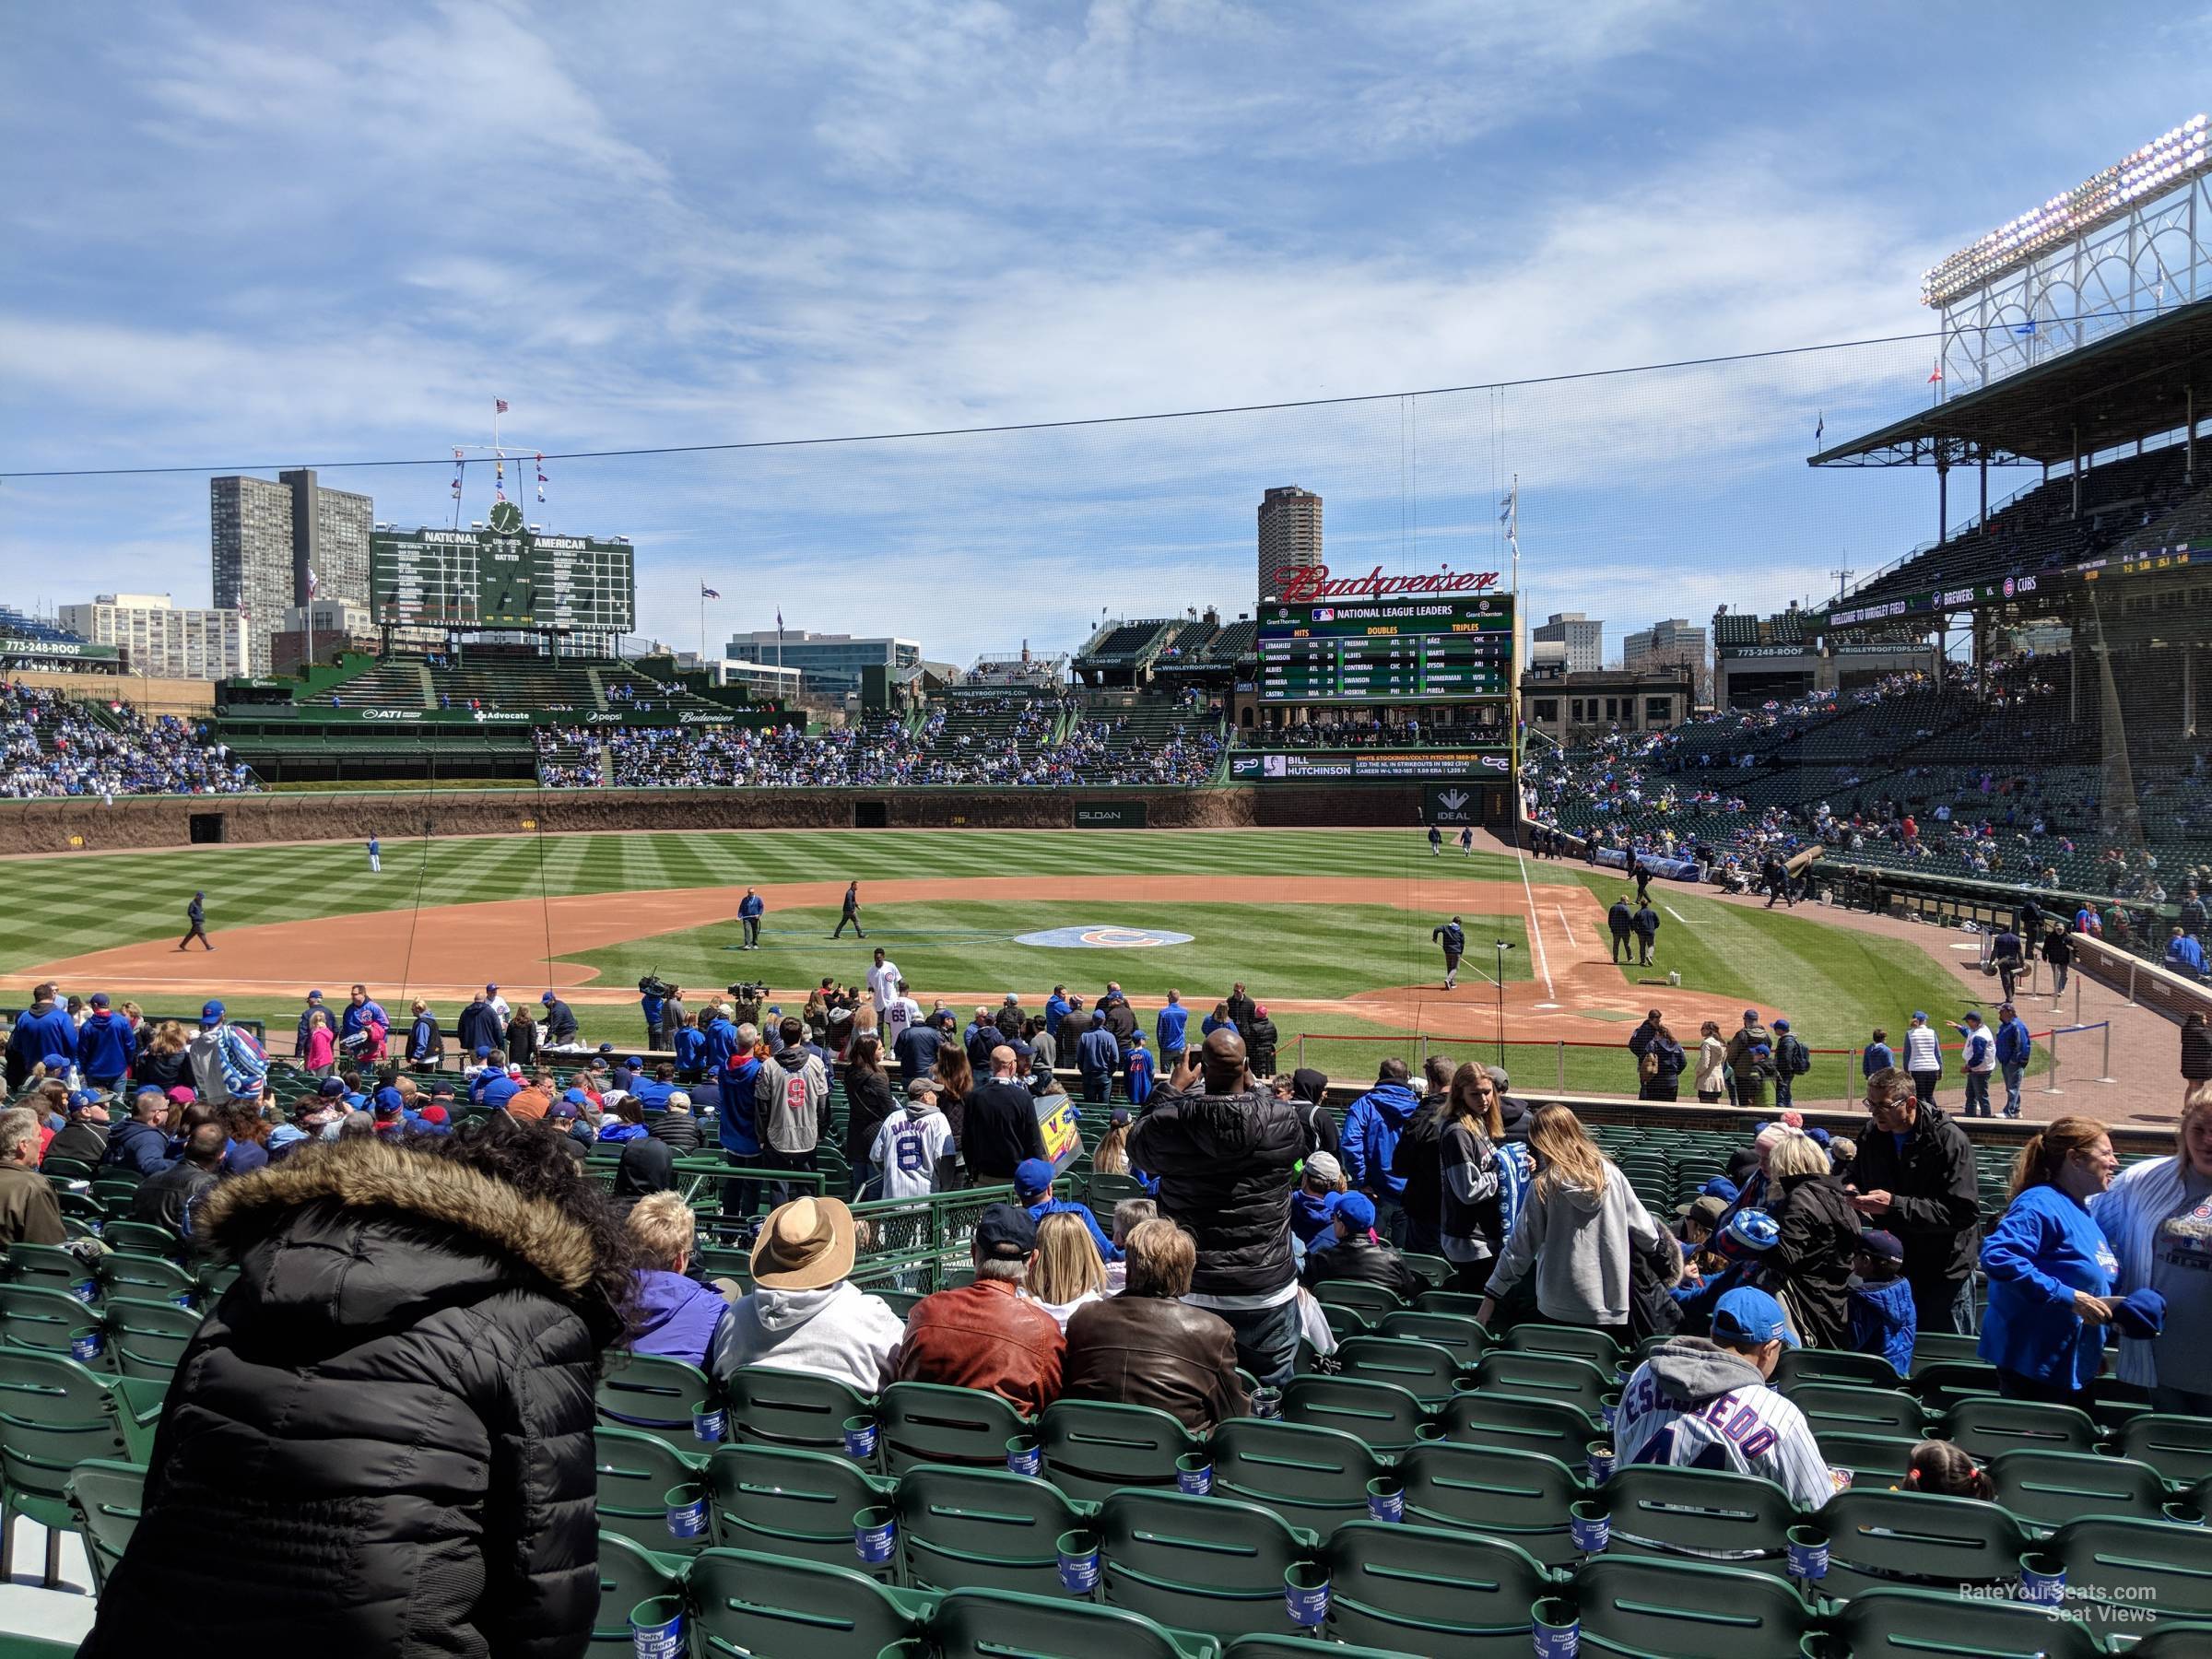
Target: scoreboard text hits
x=1387, y=651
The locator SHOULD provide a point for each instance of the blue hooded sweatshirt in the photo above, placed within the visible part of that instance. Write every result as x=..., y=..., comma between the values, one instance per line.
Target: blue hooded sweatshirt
x=1371, y=1126
x=1882, y=1320
x=2042, y=1249
x=734, y=1126
x=690, y=1049
x=105, y=1045
x=675, y=1317
x=137, y=1145
x=2014, y=1042
x=39, y=1035
x=1169, y=1026
x=1311, y=1216
x=722, y=1043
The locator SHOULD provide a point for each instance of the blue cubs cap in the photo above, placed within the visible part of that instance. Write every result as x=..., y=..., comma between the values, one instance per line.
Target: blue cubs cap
x=1357, y=1209
x=1033, y=1175
x=634, y=1063
x=548, y=998
x=483, y=1050
x=1782, y=1025
x=1748, y=1315
x=575, y=1097
x=1751, y=1229
x=1750, y=1013
x=388, y=1099
x=99, y=999
x=58, y=1063
x=314, y=996
x=211, y=1013
x=441, y=1091
x=330, y=1089
x=2140, y=1314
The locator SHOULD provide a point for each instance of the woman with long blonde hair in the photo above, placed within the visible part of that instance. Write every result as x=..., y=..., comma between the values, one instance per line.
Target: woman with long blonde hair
x=1068, y=1271
x=2157, y=1218
x=1576, y=1230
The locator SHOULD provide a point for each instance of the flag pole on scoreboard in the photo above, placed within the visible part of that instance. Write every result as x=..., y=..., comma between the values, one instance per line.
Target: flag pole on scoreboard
x=1511, y=519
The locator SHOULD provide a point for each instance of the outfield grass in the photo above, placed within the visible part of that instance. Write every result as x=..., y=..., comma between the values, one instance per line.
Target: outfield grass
x=1309, y=951
x=70, y=903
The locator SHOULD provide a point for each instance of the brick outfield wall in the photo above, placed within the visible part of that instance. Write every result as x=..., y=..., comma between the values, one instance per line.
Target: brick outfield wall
x=167, y=821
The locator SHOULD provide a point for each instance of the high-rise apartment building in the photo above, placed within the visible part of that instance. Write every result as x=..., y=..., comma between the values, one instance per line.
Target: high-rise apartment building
x=161, y=640
x=1584, y=638
x=1675, y=643
x=1290, y=536
x=264, y=537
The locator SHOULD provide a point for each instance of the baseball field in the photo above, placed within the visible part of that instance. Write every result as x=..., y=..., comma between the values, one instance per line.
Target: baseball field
x=1330, y=929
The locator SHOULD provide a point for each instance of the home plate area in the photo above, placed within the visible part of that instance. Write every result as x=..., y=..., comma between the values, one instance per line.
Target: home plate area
x=1102, y=937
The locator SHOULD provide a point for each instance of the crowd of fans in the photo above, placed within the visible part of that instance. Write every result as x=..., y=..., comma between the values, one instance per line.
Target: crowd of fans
x=53, y=747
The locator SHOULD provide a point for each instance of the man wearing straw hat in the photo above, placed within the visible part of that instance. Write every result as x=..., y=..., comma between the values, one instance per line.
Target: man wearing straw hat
x=803, y=1313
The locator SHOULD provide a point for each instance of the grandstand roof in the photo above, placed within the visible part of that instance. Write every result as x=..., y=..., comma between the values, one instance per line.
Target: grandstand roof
x=2123, y=387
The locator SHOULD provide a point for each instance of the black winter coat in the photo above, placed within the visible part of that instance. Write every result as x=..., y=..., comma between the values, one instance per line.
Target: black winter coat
x=1820, y=1237
x=1365, y=1261
x=1225, y=1166
x=868, y=1103
x=380, y=1442
x=1936, y=1207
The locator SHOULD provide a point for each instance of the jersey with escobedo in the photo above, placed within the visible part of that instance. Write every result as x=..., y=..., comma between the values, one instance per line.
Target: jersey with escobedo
x=1698, y=1406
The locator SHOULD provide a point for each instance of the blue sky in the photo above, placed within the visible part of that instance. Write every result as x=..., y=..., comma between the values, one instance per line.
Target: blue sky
x=244, y=234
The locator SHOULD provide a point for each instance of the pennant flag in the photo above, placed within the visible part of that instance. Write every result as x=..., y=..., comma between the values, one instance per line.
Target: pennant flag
x=312, y=581
x=779, y=621
x=1936, y=374
x=1820, y=426
x=2026, y=328
x=541, y=478
x=707, y=593
x=498, y=405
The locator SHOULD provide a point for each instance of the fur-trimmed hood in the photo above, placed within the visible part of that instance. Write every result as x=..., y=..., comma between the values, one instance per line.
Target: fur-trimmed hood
x=410, y=1187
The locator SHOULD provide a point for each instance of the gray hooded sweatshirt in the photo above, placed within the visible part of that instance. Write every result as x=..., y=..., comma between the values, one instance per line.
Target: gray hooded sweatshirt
x=1578, y=1244
x=1697, y=1405
x=839, y=1331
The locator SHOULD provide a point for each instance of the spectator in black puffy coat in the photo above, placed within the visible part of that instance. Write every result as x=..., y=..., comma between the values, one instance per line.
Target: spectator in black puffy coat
x=380, y=1442
x=1820, y=1241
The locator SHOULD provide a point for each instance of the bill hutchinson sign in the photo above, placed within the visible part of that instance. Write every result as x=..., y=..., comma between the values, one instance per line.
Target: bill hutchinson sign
x=1313, y=581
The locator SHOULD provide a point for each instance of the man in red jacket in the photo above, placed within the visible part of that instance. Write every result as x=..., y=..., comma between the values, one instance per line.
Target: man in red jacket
x=984, y=1334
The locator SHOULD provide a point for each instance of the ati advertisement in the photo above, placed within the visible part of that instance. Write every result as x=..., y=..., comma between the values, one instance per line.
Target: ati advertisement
x=1300, y=766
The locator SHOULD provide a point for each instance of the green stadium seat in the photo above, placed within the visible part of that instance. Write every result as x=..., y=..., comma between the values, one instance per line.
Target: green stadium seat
x=1425, y=1590
x=1870, y=1457
x=1597, y=1348
x=1832, y=1365
x=1538, y=1374
x=1312, y=1477
x=1521, y=1497
x=1914, y=1624
x=754, y=1603
x=2174, y=1641
x=1629, y=1606
x=50, y=1322
x=1948, y=1383
x=148, y=1339
x=1208, y=1564
x=55, y=1414
x=982, y=1529
x=1449, y=1302
x=1431, y=1269
x=789, y=1500
x=1658, y=1510
x=1299, y=1646
x=58, y=1170
x=1983, y=1429
x=154, y=1277
x=1942, y=1347
x=1344, y=1321
x=926, y=1422
x=629, y=1573
x=1458, y=1332
x=988, y=1624
x=2050, y=1489
x=635, y=1470
x=2136, y=1568
x=1846, y=1408
x=50, y=1267
x=105, y=1498
x=1384, y=1414
x=141, y=1238
x=1093, y=1448
x=776, y=1407
x=2178, y=1447
x=1915, y=1539
x=656, y=1393
x=1426, y=1371
x=1552, y=1427
x=1374, y=1300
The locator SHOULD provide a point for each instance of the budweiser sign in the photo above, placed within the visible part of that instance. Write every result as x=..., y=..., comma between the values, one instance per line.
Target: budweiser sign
x=1304, y=586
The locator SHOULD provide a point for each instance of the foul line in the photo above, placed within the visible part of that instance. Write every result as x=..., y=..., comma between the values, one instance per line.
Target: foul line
x=1535, y=932
x=1679, y=916
x=1568, y=925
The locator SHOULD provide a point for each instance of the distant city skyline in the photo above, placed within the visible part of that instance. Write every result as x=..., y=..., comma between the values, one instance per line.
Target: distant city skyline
x=788, y=222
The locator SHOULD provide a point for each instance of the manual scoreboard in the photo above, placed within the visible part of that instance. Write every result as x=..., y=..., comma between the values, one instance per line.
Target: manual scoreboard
x=1387, y=651
x=502, y=575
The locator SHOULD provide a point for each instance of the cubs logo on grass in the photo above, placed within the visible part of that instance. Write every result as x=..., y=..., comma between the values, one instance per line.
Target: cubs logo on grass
x=1098, y=937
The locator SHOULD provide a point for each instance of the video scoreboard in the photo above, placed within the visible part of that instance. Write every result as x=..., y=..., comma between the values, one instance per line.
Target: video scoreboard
x=505, y=575
x=1387, y=651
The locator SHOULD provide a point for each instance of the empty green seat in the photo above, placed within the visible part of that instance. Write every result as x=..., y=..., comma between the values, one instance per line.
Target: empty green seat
x=1846, y=1408
x=789, y=1500
x=635, y=1470
x=1372, y=1299
x=1312, y=1477
x=1915, y=1539
x=51, y=1267
x=769, y=1606
x=1552, y=1427
x=1915, y=1624
x=1880, y=1458
x=1834, y=1365
x=106, y=1496
x=926, y=1422
x=779, y=1407
x=1384, y=1414
x=993, y=1624
x=2179, y=1447
x=154, y=1277
x=1535, y=1337
x=1521, y=1497
x=629, y=1573
x=2051, y=1488
x=1983, y=1429
x=1423, y=1368
x=148, y=1339
x=52, y=1322
x=1658, y=1510
x=2136, y=1567
x=55, y=1414
x=141, y=1238
x=1425, y=1590
x=1093, y=1448
x=1465, y=1302
x=985, y=1529
x=1542, y=1375
x=1460, y=1333
x=1947, y=1383
x=1633, y=1605
x=655, y=1392
x=1210, y=1564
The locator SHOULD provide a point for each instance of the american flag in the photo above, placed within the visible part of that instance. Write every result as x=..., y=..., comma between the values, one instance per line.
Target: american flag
x=312, y=581
x=498, y=405
x=707, y=593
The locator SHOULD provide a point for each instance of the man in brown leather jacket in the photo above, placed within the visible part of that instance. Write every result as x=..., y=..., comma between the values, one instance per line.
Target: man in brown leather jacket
x=984, y=1334
x=1146, y=1348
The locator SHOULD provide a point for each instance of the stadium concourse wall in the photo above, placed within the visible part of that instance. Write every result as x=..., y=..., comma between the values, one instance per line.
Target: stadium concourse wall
x=84, y=824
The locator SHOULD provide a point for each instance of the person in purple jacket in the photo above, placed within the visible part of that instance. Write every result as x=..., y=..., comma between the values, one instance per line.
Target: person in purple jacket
x=672, y=1315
